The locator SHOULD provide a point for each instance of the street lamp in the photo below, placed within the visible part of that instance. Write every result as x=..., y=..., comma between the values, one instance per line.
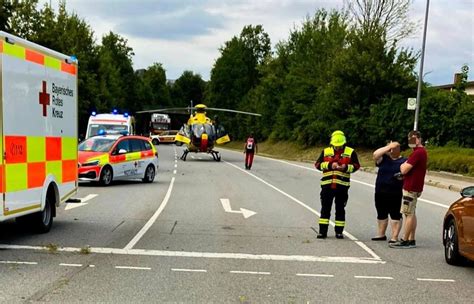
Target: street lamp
x=420, y=76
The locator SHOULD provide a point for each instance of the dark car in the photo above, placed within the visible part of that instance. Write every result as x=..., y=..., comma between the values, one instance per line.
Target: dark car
x=458, y=229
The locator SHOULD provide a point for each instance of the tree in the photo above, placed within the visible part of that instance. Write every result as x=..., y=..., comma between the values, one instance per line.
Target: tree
x=6, y=11
x=154, y=80
x=187, y=87
x=115, y=74
x=236, y=71
x=388, y=18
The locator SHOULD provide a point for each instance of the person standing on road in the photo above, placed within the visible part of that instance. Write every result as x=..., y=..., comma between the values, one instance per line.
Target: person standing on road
x=413, y=172
x=337, y=162
x=388, y=190
x=250, y=148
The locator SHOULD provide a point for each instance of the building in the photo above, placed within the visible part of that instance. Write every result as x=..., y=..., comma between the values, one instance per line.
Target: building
x=449, y=87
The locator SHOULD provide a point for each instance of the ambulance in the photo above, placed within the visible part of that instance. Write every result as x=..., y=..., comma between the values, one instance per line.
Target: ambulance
x=112, y=124
x=38, y=128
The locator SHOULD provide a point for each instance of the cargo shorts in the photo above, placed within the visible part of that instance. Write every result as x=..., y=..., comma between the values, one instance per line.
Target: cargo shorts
x=409, y=200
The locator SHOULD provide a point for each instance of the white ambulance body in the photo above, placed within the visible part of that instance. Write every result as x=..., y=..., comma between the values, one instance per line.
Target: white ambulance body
x=114, y=123
x=38, y=127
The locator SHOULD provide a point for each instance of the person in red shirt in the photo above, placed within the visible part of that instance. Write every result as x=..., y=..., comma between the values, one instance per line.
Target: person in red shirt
x=250, y=148
x=413, y=172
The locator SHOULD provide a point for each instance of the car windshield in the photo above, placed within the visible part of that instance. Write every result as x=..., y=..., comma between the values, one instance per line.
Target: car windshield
x=97, y=129
x=97, y=144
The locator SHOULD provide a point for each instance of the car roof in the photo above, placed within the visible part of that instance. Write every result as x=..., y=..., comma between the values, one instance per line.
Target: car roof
x=119, y=136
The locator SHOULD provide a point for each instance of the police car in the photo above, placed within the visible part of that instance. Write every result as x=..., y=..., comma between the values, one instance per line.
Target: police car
x=106, y=158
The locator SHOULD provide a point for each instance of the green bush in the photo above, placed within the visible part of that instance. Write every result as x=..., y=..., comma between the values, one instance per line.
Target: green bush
x=451, y=159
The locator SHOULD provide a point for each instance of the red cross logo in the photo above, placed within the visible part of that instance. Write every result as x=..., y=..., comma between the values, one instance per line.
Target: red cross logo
x=44, y=99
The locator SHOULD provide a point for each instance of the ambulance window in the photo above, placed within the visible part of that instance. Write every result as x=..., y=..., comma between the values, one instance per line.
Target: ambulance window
x=137, y=145
x=124, y=144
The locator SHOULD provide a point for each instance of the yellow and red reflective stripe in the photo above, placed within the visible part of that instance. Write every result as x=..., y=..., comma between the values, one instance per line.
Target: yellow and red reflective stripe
x=36, y=174
x=34, y=57
x=2, y=180
x=69, y=168
x=29, y=159
x=53, y=148
x=38, y=58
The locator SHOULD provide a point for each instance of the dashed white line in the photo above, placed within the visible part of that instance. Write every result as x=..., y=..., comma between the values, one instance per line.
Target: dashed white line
x=373, y=277
x=250, y=272
x=315, y=275
x=188, y=270
x=174, y=171
x=70, y=265
x=132, y=268
x=435, y=280
x=152, y=220
x=175, y=165
x=18, y=262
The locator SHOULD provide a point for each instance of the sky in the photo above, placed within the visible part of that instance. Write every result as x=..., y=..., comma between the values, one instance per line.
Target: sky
x=187, y=34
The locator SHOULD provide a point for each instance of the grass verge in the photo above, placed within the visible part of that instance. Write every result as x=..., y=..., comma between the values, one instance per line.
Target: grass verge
x=448, y=159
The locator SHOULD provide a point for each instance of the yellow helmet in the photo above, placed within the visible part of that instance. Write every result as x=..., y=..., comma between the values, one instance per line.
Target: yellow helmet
x=338, y=139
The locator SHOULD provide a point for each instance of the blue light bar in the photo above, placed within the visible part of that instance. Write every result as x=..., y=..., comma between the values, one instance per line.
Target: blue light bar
x=94, y=113
x=125, y=114
x=115, y=111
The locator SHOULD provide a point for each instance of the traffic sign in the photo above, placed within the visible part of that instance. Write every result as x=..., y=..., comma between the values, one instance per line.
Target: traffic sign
x=411, y=104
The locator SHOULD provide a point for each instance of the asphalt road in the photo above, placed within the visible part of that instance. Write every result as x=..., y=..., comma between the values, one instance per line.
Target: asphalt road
x=185, y=238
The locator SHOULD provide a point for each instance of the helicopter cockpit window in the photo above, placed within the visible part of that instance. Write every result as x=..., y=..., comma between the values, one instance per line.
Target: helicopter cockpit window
x=199, y=129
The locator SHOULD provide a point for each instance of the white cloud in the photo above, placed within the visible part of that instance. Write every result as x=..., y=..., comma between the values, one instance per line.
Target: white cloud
x=186, y=35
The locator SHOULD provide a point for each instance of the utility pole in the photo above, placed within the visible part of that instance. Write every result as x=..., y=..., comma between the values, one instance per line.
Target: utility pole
x=420, y=76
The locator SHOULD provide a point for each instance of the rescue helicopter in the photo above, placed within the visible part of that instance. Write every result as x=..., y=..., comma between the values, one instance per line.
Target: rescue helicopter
x=200, y=134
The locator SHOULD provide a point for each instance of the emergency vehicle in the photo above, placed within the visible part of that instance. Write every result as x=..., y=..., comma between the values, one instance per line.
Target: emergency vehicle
x=105, y=158
x=112, y=123
x=159, y=124
x=38, y=128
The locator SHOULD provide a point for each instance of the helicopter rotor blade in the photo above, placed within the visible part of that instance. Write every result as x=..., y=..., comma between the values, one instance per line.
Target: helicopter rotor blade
x=187, y=110
x=168, y=110
x=234, y=111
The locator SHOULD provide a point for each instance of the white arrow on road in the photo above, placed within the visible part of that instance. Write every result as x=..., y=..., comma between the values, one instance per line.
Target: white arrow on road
x=245, y=212
x=83, y=201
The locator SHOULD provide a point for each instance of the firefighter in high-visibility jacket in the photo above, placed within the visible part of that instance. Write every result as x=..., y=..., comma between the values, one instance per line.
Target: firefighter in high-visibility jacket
x=337, y=162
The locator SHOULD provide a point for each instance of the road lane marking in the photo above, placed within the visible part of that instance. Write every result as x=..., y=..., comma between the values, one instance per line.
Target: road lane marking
x=373, y=277
x=350, y=236
x=174, y=171
x=250, y=272
x=210, y=255
x=152, y=220
x=352, y=179
x=82, y=202
x=18, y=263
x=435, y=280
x=132, y=267
x=70, y=265
x=176, y=165
x=188, y=270
x=315, y=275
x=227, y=208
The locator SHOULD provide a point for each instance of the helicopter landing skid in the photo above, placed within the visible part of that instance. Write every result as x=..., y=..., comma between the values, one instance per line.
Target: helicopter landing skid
x=185, y=153
x=215, y=155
